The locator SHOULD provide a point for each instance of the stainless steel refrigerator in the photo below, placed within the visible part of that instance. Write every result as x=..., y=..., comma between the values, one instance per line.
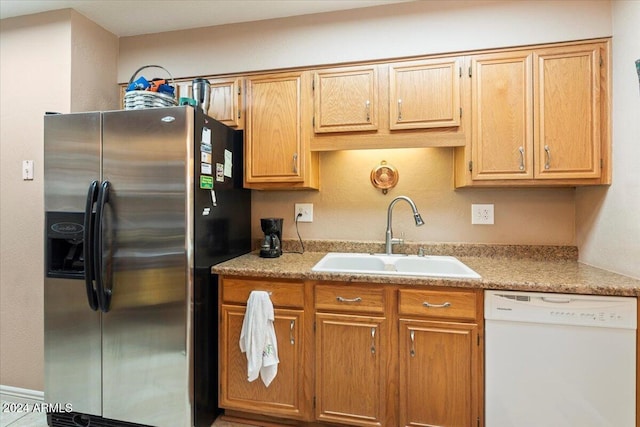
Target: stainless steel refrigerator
x=138, y=206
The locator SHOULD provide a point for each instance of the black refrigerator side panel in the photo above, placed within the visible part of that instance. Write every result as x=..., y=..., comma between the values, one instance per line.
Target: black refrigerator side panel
x=222, y=231
x=205, y=376
x=222, y=207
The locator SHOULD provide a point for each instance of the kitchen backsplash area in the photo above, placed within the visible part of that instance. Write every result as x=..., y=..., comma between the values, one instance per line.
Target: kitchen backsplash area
x=348, y=207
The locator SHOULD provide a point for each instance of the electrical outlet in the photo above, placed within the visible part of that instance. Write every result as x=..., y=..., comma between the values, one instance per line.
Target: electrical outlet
x=481, y=214
x=306, y=209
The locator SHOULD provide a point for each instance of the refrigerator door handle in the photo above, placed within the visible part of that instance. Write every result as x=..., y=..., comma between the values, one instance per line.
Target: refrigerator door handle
x=89, y=218
x=104, y=293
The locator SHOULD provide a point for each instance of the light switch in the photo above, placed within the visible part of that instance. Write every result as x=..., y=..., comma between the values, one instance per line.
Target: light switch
x=27, y=170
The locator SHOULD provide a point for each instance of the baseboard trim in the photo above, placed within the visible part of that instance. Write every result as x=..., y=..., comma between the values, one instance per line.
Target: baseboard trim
x=20, y=395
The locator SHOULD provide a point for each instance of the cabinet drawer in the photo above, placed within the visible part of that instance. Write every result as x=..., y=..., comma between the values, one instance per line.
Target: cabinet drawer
x=438, y=304
x=349, y=298
x=282, y=293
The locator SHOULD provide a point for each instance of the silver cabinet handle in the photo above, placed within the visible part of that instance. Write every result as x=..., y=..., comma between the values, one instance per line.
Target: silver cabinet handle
x=547, y=150
x=521, y=150
x=428, y=305
x=367, y=106
x=373, y=340
x=356, y=299
x=412, y=352
x=399, y=110
x=295, y=162
x=291, y=338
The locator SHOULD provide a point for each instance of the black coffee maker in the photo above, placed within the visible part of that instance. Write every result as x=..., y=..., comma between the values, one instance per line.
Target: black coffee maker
x=272, y=243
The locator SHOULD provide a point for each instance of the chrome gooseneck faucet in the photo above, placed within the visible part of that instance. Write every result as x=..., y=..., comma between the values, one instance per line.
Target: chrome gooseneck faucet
x=389, y=239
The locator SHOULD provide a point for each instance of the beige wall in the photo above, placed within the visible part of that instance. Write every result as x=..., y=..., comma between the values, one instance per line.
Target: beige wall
x=403, y=29
x=349, y=207
x=94, y=53
x=56, y=61
x=608, y=221
x=24, y=61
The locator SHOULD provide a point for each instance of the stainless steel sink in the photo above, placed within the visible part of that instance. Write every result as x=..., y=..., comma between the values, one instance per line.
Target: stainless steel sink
x=395, y=265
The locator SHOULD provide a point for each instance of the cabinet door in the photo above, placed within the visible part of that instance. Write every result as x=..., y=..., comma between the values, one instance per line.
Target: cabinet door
x=284, y=396
x=567, y=112
x=345, y=100
x=273, y=141
x=425, y=94
x=350, y=380
x=502, y=116
x=224, y=101
x=439, y=369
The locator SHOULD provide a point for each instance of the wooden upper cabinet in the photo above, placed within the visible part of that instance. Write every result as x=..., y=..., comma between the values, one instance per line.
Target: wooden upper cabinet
x=225, y=101
x=502, y=119
x=392, y=105
x=277, y=151
x=425, y=94
x=540, y=117
x=345, y=99
x=273, y=128
x=567, y=112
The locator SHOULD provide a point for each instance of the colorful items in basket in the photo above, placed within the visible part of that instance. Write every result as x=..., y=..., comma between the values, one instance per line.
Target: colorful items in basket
x=155, y=85
x=142, y=93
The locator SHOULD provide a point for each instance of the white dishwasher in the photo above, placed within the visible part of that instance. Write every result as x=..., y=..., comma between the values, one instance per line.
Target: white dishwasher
x=559, y=360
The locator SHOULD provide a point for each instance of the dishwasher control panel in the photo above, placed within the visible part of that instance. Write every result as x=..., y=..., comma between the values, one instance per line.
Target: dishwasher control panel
x=563, y=309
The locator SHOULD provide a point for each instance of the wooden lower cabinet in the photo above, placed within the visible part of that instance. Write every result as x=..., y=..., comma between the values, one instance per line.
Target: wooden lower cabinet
x=282, y=397
x=437, y=374
x=358, y=354
x=289, y=394
x=440, y=357
x=350, y=386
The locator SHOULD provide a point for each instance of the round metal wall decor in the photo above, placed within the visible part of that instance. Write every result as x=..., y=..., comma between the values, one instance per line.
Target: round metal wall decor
x=384, y=176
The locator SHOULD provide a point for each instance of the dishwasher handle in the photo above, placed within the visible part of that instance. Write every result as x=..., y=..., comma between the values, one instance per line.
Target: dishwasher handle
x=557, y=300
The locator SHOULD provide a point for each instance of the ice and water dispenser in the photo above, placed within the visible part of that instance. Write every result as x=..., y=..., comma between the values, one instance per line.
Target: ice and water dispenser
x=65, y=248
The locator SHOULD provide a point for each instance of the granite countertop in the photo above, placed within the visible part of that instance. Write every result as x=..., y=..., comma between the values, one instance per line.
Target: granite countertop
x=507, y=267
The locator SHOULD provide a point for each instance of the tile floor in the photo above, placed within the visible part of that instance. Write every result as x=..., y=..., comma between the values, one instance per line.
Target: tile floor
x=21, y=419
x=35, y=419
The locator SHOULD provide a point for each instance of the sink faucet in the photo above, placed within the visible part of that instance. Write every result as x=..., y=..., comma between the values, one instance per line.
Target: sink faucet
x=389, y=241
